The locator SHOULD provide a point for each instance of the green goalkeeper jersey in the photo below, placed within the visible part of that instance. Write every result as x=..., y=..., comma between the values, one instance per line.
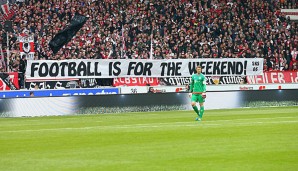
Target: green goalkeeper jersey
x=198, y=83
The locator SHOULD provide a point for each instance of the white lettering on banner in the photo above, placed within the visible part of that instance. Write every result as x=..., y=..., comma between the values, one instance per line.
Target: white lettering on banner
x=135, y=81
x=231, y=80
x=176, y=80
x=209, y=79
x=293, y=78
x=105, y=68
x=179, y=80
x=274, y=77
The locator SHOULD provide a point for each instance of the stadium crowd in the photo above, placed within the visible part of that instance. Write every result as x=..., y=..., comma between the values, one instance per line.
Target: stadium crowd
x=174, y=29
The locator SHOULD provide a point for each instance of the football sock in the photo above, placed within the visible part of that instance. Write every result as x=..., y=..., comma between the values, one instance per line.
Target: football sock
x=202, y=109
x=195, y=108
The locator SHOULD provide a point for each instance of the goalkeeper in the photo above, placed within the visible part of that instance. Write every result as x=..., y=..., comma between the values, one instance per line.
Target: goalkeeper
x=198, y=92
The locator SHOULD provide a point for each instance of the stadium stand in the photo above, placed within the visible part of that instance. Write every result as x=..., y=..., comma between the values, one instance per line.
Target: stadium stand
x=180, y=29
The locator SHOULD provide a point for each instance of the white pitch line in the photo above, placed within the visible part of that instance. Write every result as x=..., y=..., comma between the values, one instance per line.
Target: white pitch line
x=246, y=119
x=171, y=124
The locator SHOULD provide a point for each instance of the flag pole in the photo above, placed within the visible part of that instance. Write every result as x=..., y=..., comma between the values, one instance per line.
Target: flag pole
x=7, y=51
x=2, y=56
x=122, y=39
x=151, y=46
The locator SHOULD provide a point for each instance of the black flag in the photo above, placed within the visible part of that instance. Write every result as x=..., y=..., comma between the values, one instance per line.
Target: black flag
x=64, y=36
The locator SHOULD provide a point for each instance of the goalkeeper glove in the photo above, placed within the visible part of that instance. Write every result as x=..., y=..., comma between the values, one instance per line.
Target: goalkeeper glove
x=204, y=95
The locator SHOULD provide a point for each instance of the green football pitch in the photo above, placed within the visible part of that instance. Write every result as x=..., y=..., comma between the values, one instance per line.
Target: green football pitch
x=237, y=139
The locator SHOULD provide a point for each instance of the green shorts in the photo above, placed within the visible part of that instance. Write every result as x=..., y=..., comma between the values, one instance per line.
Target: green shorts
x=197, y=98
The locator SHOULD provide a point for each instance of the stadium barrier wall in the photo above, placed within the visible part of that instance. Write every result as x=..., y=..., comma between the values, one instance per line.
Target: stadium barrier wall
x=137, y=89
x=210, y=88
x=58, y=92
x=146, y=102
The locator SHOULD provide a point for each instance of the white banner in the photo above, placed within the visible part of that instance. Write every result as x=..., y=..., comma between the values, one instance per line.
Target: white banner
x=105, y=68
x=27, y=46
x=292, y=13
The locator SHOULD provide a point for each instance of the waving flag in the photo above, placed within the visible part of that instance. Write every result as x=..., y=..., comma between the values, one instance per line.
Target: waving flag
x=7, y=9
x=64, y=36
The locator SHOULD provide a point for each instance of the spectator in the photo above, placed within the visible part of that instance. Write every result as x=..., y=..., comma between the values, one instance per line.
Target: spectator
x=31, y=94
x=151, y=90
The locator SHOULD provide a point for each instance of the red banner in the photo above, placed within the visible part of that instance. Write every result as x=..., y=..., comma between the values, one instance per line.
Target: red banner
x=274, y=77
x=14, y=79
x=137, y=81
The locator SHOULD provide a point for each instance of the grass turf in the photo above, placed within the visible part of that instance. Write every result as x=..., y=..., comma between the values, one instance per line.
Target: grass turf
x=236, y=139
